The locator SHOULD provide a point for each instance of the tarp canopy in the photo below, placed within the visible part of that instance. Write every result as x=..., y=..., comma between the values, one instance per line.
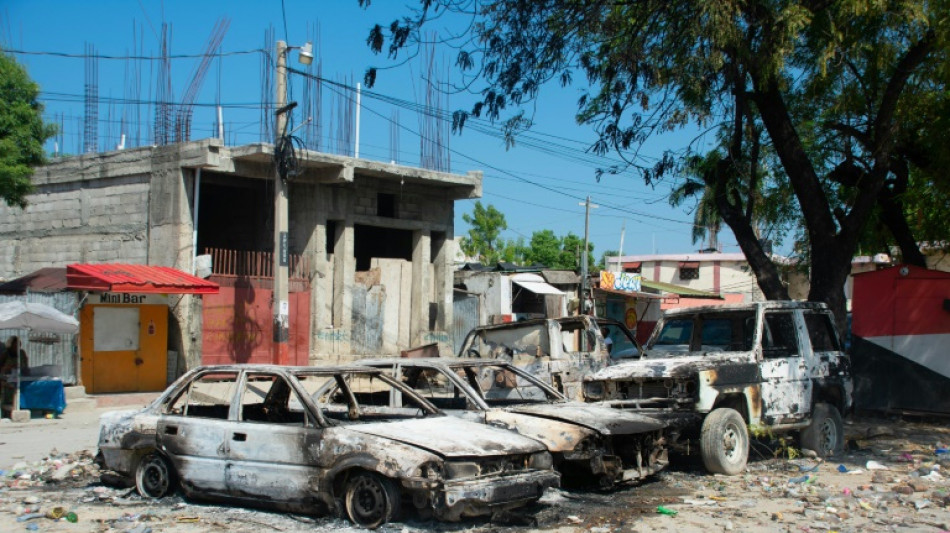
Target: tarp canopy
x=147, y=279
x=535, y=284
x=36, y=317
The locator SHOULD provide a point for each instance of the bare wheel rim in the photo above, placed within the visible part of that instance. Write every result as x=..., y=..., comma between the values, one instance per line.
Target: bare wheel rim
x=828, y=435
x=731, y=441
x=367, y=500
x=154, y=476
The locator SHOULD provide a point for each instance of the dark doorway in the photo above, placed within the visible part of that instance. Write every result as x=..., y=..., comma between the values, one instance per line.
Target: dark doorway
x=235, y=213
x=373, y=241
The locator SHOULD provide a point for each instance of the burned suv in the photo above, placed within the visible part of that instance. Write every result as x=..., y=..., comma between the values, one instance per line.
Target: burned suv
x=713, y=372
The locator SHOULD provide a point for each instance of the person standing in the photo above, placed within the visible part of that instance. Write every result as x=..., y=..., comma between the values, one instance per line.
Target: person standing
x=14, y=357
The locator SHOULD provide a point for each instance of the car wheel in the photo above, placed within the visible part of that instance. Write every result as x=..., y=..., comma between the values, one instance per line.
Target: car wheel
x=154, y=477
x=724, y=442
x=825, y=434
x=371, y=500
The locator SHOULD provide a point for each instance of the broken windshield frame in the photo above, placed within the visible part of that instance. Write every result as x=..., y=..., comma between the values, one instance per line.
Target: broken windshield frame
x=508, y=385
x=362, y=397
x=705, y=333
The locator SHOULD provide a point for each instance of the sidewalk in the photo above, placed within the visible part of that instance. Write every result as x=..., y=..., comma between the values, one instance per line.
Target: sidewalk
x=73, y=431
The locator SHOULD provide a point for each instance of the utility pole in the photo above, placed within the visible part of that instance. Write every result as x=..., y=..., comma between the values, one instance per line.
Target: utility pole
x=585, y=281
x=623, y=230
x=281, y=299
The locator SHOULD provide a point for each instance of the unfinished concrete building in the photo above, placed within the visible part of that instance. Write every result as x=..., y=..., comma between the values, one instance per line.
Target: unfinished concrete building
x=371, y=244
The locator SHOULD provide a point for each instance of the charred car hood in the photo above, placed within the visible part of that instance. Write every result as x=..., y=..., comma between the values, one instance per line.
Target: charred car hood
x=451, y=437
x=668, y=367
x=604, y=420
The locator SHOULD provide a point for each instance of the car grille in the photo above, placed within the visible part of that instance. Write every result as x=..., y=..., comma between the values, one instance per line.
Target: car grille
x=504, y=465
x=643, y=391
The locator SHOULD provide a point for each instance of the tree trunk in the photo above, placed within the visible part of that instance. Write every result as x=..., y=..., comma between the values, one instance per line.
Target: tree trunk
x=829, y=274
x=892, y=212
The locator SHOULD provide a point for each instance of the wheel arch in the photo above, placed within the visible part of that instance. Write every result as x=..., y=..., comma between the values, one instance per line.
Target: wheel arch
x=736, y=401
x=341, y=472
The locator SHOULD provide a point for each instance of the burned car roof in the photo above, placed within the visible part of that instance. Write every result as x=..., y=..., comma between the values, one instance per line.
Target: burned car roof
x=745, y=307
x=447, y=361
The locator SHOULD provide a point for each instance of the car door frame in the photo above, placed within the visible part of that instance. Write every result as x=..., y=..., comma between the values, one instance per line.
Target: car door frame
x=786, y=382
x=197, y=446
x=271, y=460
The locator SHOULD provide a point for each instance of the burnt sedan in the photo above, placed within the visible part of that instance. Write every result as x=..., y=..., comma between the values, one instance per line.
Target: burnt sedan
x=267, y=435
x=588, y=442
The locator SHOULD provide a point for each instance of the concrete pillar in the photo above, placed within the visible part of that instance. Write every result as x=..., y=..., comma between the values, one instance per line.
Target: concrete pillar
x=321, y=293
x=443, y=281
x=421, y=257
x=344, y=273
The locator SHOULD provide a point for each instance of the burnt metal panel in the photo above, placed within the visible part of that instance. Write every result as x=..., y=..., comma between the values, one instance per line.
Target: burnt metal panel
x=368, y=315
x=464, y=318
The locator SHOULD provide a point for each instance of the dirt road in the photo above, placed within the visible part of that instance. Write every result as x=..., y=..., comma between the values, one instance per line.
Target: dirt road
x=800, y=494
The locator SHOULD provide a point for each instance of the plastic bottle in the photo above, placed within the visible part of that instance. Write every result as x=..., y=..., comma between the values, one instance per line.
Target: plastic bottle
x=664, y=510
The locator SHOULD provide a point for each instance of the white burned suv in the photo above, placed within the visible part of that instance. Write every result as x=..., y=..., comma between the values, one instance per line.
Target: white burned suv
x=713, y=372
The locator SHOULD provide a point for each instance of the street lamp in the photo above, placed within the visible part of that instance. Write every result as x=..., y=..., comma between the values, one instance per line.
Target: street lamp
x=281, y=300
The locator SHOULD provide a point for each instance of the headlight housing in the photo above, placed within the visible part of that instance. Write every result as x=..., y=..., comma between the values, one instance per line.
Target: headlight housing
x=431, y=471
x=594, y=390
x=541, y=461
x=461, y=469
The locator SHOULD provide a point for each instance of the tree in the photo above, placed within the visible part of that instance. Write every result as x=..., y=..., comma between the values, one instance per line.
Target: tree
x=825, y=94
x=22, y=132
x=602, y=265
x=483, y=240
x=544, y=248
x=547, y=249
x=572, y=252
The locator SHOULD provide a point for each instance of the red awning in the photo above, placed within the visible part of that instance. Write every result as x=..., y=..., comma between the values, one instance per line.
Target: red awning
x=632, y=264
x=689, y=264
x=112, y=277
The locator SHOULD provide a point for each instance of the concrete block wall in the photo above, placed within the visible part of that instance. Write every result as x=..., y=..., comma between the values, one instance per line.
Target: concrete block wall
x=413, y=202
x=66, y=223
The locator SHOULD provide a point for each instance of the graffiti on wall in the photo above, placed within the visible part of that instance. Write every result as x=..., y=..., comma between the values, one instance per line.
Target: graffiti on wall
x=620, y=281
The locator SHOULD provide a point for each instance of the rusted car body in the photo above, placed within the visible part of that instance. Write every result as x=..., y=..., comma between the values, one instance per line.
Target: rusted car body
x=588, y=442
x=559, y=351
x=774, y=365
x=262, y=435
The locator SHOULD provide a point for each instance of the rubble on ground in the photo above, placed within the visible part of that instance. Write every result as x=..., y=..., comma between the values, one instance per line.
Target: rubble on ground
x=905, y=488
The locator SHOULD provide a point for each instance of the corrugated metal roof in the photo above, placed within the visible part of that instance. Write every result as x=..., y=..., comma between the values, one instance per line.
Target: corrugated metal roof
x=43, y=280
x=678, y=290
x=561, y=277
x=114, y=277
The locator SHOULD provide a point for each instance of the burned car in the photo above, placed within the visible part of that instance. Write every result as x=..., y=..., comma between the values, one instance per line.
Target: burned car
x=559, y=351
x=589, y=443
x=264, y=435
x=715, y=371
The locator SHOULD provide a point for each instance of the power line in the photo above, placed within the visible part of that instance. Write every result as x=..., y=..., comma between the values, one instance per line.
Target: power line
x=130, y=57
x=517, y=177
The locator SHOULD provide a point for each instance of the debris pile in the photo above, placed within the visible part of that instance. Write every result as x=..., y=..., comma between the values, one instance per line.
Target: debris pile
x=74, y=469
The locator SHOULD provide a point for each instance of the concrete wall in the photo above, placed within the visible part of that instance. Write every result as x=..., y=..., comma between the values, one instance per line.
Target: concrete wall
x=129, y=206
x=734, y=277
x=136, y=206
x=387, y=309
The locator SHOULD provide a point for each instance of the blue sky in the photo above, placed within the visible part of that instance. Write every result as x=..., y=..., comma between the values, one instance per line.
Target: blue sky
x=535, y=189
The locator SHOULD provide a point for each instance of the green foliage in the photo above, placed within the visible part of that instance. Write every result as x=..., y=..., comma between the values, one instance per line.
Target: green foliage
x=602, y=265
x=781, y=446
x=483, y=240
x=817, y=106
x=555, y=252
x=22, y=132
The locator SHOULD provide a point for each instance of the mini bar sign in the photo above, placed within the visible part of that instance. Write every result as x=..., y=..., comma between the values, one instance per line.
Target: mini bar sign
x=132, y=299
